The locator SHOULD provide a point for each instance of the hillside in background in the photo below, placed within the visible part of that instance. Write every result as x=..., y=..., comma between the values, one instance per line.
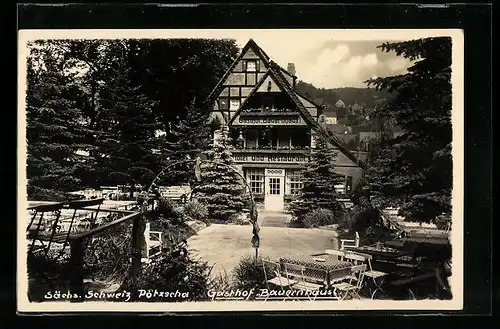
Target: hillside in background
x=356, y=116
x=364, y=97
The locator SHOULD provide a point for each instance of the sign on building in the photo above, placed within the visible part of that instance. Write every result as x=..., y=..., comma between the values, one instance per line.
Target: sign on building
x=271, y=158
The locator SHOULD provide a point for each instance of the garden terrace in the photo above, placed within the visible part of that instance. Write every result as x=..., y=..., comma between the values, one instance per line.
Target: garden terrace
x=49, y=238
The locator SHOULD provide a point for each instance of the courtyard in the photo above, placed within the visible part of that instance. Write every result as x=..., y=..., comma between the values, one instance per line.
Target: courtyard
x=223, y=245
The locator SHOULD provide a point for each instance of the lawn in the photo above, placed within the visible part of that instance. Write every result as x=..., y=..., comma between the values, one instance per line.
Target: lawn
x=224, y=245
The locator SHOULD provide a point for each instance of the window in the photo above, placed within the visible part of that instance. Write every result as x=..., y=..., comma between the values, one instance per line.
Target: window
x=255, y=179
x=223, y=104
x=234, y=104
x=251, y=66
x=274, y=186
x=294, y=182
x=251, y=137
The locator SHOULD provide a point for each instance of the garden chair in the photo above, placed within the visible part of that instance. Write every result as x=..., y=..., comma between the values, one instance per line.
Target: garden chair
x=349, y=243
x=374, y=275
x=354, y=285
x=278, y=280
x=355, y=258
x=298, y=271
x=339, y=253
x=154, y=242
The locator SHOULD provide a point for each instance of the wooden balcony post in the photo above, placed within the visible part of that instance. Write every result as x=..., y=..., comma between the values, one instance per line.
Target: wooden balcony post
x=76, y=268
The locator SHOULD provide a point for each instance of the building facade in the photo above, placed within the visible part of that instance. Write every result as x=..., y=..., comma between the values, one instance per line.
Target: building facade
x=272, y=124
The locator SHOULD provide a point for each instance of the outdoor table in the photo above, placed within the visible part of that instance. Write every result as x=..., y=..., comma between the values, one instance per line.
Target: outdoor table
x=378, y=253
x=335, y=269
x=385, y=262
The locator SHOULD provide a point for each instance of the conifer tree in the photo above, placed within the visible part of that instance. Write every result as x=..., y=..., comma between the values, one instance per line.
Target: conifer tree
x=319, y=180
x=414, y=170
x=57, y=133
x=220, y=188
x=186, y=139
x=127, y=132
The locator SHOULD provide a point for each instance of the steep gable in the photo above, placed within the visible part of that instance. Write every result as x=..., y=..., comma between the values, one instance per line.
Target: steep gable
x=239, y=80
x=253, y=72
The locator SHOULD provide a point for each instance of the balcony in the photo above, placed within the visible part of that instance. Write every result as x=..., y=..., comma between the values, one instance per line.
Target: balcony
x=264, y=112
x=272, y=150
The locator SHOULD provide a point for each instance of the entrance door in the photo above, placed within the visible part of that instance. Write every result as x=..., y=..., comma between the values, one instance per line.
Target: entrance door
x=275, y=183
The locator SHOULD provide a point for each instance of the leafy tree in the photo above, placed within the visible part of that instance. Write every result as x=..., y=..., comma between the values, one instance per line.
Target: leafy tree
x=220, y=188
x=414, y=170
x=174, y=72
x=319, y=180
x=57, y=133
x=188, y=138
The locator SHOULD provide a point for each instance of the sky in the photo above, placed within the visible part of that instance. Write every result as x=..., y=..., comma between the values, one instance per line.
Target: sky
x=329, y=63
x=325, y=58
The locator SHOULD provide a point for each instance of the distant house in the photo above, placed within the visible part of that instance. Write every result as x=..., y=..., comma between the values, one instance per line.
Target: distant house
x=340, y=103
x=338, y=129
x=328, y=117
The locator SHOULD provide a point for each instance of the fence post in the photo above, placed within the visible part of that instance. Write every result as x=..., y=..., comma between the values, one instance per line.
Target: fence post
x=76, y=268
x=137, y=243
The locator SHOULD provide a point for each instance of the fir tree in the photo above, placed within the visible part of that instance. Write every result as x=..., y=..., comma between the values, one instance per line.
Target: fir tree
x=57, y=133
x=319, y=180
x=220, y=188
x=186, y=139
x=127, y=132
x=414, y=170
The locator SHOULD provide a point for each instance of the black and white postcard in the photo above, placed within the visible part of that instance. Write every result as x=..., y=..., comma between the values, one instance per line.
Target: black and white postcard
x=240, y=170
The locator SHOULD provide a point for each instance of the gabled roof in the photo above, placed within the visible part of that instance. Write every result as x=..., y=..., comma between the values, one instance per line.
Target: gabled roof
x=250, y=45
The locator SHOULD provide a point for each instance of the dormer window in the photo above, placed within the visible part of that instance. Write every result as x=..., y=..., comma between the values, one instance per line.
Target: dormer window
x=251, y=66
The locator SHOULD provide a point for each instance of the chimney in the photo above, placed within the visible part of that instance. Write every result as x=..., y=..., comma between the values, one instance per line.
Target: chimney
x=291, y=70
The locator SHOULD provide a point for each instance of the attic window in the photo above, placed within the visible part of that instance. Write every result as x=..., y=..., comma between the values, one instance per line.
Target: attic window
x=251, y=66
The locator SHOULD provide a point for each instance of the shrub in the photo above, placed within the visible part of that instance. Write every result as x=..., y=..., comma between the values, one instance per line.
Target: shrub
x=443, y=222
x=36, y=193
x=319, y=217
x=249, y=273
x=167, y=210
x=108, y=256
x=220, y=282
x=195, y=210
x=174, y=272
x=241, y=219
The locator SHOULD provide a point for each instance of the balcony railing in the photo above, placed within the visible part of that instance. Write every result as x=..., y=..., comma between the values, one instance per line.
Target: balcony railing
x=267, y=112
x=270, y=149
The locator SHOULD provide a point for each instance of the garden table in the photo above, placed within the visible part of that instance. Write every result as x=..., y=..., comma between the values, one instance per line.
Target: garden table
x=334, y=269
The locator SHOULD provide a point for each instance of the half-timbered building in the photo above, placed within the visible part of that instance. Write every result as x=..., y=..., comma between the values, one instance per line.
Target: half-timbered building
x=271, y=123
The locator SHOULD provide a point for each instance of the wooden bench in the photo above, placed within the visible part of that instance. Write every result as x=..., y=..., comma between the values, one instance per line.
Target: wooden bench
x=346, y=243
x=176, y=193
x=154, y=243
